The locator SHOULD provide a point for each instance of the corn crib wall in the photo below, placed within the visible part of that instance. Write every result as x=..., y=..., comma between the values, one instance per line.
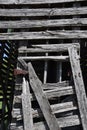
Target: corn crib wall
x=8, y=56
x=62, y=21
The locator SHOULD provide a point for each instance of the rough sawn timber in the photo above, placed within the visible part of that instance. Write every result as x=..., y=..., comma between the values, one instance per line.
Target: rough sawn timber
x=74, y=34
x=26, y=104
x=79, y=85
x=42, y=100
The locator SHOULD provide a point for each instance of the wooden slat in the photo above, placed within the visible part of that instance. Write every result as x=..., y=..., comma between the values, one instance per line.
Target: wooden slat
x=44, y=35
x=44, y=23
x=56, y=109
x=30, y=2
x=26, y=104
x=57, y=58
x=42, y=12
x=63, y=122
x=79, y=86
x=48, y=48
x=42, y=100
x=50, y=94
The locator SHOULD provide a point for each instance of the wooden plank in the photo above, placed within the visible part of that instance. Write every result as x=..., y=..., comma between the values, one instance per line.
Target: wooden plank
x=30, y=2
x=48, y=48
x=63, y=122
x=32, y=58
x=42, y=100
x=42, y=12
x=43, y=23
x=51, y=93
x=74, y=34
x=79, y=86
x=56, y=109
x=26, y=105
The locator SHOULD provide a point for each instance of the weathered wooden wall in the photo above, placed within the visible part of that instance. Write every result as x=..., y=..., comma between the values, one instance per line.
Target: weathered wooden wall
x=8, y=59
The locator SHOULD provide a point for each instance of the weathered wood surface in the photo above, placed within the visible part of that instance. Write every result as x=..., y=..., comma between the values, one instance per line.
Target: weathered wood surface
x=79, y=86
x=27, y=108
x=42, y=100
x=63, y=122
x=30, y=2
x=44, y=23
x=48, y=48
x=42, y=12
x=52, y=93
x=79, y=34
x=56, y=109
x=57, y=58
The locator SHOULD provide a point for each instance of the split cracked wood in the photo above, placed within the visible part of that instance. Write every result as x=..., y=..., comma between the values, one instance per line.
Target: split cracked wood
x=42, y=100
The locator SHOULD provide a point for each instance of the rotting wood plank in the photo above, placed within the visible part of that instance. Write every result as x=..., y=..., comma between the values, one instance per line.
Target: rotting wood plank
x=35, y=2
x=42, y=100
x=26, y=104
x=79, y=86
x=48, y=48
x=42, y=12
x=43, y=23
x=74, y=34
x=57, y=58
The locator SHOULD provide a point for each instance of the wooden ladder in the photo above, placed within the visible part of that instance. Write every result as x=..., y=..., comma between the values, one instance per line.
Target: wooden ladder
x=51, y=113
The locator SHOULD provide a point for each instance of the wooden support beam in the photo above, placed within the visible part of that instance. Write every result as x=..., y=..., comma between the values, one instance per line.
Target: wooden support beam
x=79, y=86
x=26, y=105
x=42, y=100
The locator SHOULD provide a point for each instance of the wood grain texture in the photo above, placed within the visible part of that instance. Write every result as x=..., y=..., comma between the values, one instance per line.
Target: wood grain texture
x=56, y=109
x=63, y=122
x=42, y=12
x=74, y=34
x=43, y=23
x=48, y=48
x=30, y=2
x=79, y=86
x=27, y=108
x=42, y=100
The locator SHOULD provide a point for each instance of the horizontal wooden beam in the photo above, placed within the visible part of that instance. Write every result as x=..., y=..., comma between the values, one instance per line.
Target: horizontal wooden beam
x=30, y=2
x=43, y=23
x=42, y=12
x=33, y=58
x=74, y=34
x=48, y=48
